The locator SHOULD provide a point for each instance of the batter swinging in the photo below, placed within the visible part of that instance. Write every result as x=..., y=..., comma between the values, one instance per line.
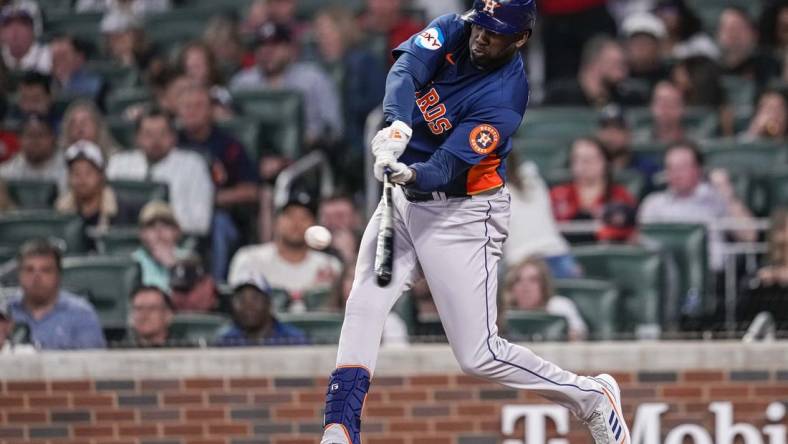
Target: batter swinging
x=454, y=97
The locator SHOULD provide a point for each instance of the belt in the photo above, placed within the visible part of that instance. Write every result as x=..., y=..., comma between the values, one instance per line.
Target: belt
x=420, y=196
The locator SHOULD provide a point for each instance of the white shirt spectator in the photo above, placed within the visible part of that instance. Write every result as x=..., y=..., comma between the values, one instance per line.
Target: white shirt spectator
x=53, y=170
x=38, y=58
x=190, y=184
x=317, y=270
x=563, y=306
x=703, y=206
x=532, y=230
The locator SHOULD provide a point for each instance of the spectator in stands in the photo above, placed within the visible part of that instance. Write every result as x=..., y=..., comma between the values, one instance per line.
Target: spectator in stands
x=88, y=193
x=387, y=18
x=233, y=173
x=395, y=331
x=198, y=64
x=685, y=31
x=83, y=121
x=603, y=72
x=737, y=38
x=254, y=321
x=57, y=319
x=221, y=35
x=533, y=229
x=136, y=7
x=766, y=290
x=699, y=79
x=691, y=199
x=281, y=12
x=340, y=213
x=592, y=194
x=9, y=139
x=9, y=343
x=35, y=98
x=70, y=77
x=528, y=286
x=773, y=29
x=667, y=115
x=359, y=75
x=159, y=234
x=6, y=203
x=616, y=138
x=193, y=288
x=151, y=316
x=125, y=40
x=158, y=158
x=39, y=158
x=167, y=87
x=287, y=262
x=775, y=272
x=567, y=26
x=277, y=68
x=20, y=50
x=645, y=35
x=770, y=120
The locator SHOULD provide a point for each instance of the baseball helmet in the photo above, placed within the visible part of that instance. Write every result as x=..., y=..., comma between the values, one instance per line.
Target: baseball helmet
x=503, y=16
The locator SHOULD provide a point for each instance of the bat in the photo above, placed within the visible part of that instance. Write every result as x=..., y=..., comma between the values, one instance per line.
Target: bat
x=384, y=254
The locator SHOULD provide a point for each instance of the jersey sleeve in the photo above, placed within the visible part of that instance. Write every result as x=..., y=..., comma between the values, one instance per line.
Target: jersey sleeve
x=430, y=45
x=482, y=133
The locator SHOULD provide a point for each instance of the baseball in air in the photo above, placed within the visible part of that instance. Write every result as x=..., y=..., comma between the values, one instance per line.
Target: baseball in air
x=317, y=237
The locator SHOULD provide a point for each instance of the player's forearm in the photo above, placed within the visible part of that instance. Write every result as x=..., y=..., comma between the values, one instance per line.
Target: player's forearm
x=404, y=78
x=438, y=171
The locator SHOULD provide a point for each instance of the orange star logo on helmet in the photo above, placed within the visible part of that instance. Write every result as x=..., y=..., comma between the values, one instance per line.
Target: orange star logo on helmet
x=484, y=139
x=490, y=5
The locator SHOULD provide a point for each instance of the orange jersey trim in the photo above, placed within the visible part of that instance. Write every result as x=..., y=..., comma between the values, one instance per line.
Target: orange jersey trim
x=484, y=176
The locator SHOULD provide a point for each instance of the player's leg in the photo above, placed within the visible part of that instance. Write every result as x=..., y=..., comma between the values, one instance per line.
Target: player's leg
x=459, y=253
x=365, y=313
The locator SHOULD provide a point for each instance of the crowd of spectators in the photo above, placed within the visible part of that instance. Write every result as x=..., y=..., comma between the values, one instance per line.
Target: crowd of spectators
x=649, y=72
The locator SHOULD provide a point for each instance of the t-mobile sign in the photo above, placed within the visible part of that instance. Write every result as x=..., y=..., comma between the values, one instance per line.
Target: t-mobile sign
x=647, y=426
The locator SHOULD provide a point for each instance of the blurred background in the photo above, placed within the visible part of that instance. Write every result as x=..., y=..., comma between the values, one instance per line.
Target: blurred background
x=164, y=160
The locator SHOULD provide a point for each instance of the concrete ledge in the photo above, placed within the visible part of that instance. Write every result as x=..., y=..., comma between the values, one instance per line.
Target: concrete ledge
x=413, y=360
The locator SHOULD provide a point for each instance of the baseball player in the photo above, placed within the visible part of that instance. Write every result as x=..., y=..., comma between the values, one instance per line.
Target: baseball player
x=454, y=97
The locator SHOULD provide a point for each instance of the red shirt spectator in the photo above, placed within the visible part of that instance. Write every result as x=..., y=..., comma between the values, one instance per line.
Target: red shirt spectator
x=9, y=145
x=569, y=6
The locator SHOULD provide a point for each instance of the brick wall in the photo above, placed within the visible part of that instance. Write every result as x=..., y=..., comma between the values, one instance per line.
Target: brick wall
x=400, y=410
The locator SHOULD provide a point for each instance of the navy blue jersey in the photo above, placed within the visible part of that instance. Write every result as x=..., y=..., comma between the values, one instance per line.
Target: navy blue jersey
x=468, y=112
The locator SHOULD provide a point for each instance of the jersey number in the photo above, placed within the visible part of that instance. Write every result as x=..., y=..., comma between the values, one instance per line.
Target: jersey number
x=433, y=112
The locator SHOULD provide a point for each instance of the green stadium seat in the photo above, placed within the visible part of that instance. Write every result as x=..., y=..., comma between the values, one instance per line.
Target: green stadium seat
x=547, y=154
x=778, y=189
x=197, y=328
x=701, y=122
x=535, y=326
x=121, y=99
x=7, y=253
x=32, y=194
x=280, y=300
x=139, y=192
x=106, y=281
x=322, y=328
x=597, y=301
x=319, y=299
x=171, y=35
x=123, y=130
x=307, y=9
x=83, y=25
x=632, y=180
x=739, y=91
x=754, y=156
x=16, y=228
x=688, y=246
x=247, y=130
x=563, y=123
x=116, y=76
x=638, y=274
x=281, y=115
x=118, y=241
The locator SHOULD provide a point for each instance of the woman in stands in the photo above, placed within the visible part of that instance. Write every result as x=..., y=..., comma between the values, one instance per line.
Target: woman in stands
x=770, y=120
x=528, y=286
x=198, y=64
x=592, y=194
x=84, y=121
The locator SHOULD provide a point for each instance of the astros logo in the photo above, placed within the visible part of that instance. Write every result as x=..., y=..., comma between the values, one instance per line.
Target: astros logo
x=484, y=139
x=490, y=5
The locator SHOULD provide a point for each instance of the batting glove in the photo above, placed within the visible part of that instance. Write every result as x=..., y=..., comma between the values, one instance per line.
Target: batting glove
x=392, y=140
x=399, y=173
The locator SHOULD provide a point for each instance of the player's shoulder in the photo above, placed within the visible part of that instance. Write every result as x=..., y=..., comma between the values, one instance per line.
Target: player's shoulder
x=447, y=29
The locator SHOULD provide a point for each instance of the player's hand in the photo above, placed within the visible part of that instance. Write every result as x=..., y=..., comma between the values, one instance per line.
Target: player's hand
x=400, y=173
x=392, y=140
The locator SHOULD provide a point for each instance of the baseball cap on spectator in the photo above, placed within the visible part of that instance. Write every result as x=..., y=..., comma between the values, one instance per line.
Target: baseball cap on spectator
x=85, y=150
x=612, y=115
x=258, y=282
x=271, y=32
x=186, y=273
x=644, y=23
x=301, y=199
x=16, y=12
x=157, y=211
x=116, y=21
